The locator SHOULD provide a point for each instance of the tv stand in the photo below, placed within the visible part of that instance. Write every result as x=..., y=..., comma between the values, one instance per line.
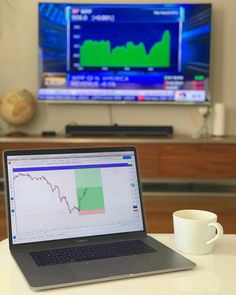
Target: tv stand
x=177, y=163
x=119, y=130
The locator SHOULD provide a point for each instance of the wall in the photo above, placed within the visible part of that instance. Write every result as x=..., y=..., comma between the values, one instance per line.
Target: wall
x=18, y=69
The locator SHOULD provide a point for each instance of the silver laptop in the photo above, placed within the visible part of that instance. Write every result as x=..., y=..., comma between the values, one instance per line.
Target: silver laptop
x=76, y=216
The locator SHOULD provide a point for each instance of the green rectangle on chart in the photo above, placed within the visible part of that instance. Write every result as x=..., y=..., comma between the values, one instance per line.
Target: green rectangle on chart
x=88, y=177
x=89, y=189
x=90, y=198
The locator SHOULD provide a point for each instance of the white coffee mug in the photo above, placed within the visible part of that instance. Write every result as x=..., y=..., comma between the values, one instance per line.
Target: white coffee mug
x=195, y=231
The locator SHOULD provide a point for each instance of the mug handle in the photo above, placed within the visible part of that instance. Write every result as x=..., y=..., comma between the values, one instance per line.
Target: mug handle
x=219, y=234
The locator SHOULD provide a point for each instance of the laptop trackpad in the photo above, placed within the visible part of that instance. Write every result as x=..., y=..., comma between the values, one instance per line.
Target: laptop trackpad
x=110, y=267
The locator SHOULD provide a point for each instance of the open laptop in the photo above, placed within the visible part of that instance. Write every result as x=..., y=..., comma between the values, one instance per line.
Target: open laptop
x=76, y=216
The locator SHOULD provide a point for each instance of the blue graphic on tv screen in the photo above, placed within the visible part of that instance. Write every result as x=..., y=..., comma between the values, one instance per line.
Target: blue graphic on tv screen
x=124, y=52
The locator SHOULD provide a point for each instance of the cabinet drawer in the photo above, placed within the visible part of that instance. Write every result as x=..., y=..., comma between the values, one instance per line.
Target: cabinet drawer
x=198, y=160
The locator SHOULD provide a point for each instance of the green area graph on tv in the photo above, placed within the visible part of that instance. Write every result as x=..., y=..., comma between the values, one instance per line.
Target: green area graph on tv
x=100, y=54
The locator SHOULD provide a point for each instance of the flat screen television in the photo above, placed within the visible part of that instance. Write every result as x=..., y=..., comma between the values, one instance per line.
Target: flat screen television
x=139, y=53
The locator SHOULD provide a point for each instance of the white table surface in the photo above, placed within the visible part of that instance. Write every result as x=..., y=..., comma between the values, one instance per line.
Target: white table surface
x=215, y=274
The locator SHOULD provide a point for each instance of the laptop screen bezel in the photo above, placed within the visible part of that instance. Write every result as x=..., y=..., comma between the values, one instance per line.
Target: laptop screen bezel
x=29, y=152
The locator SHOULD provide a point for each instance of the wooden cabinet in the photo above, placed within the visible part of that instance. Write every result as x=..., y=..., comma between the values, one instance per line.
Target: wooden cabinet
x=163, y=160
x=178, y=157
x=159, y=209
x=197, y=160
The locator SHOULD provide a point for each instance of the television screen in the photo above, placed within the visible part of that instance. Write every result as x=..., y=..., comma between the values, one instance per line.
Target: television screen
x=141, y=53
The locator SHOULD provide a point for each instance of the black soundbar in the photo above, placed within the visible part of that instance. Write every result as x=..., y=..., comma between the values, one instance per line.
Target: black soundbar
x=117, y=130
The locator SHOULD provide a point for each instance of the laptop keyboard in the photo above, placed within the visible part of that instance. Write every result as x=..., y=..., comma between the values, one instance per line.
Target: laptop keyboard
x=90, y=252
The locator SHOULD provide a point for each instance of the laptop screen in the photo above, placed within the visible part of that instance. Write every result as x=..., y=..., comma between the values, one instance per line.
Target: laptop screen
x=71, y=195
